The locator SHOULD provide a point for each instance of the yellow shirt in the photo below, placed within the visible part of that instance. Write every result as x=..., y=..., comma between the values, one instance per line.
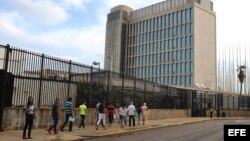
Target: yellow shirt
x=83, y=109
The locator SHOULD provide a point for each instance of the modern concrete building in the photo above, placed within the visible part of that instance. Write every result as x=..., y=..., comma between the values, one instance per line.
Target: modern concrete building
x=172, y=42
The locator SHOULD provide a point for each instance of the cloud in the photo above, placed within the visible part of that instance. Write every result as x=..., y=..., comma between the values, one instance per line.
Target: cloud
x=82, y=43
x=41, y=12
x=8, y=23
x=80, y=4
x=135, y=4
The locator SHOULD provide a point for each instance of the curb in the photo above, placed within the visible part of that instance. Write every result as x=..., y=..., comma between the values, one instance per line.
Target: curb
x=132, y=131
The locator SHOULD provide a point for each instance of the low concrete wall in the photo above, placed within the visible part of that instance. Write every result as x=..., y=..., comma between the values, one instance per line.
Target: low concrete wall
x=155, y=114
x=230, y=113
x=14, y=118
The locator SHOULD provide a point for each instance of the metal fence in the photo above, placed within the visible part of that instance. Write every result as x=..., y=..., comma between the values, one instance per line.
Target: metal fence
x=25, y=73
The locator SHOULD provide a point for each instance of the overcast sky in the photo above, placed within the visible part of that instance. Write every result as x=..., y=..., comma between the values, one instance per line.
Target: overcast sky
x=75, y=29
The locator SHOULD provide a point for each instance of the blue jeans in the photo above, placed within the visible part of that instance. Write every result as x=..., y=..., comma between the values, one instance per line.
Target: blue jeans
x=66, y=121
x=122, y=121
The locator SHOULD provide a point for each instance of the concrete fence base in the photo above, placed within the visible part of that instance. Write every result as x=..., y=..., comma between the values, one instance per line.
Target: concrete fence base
x=14, y=118
x=229, y=113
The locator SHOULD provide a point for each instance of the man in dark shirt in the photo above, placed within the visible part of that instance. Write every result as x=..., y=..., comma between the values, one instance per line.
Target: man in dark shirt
x=111, y=113
x=55, y=116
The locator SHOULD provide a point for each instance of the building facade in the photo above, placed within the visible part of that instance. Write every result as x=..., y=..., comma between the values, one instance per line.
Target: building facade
x=172, y=42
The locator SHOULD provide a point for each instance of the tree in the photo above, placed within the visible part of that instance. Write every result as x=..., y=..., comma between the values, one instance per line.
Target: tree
x=241, y=77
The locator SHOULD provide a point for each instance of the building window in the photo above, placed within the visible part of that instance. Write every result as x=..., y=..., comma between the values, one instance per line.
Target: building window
x=174, y=18
x=169, y=19
x=179, y=17
x=183, y=30
x=183, y=55
x=187, y=29
x=191, y=54
x=187, y=80
x=191, y=28
x=164, y=44
x=191, y=14
x=191, y=40
x=183, y=16
x=178, y=30
x=191, y=66
x=187, y=15
x=183, y=42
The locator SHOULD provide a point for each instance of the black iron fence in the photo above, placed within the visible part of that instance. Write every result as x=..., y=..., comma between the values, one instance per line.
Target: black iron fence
x=25, y=73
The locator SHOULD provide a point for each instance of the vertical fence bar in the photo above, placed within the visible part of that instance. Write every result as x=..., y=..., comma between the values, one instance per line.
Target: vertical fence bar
x=41, y=82
x=4, y=85
x=233, y=101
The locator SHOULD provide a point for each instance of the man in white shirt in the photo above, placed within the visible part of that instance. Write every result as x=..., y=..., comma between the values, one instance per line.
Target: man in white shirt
x=131, y=113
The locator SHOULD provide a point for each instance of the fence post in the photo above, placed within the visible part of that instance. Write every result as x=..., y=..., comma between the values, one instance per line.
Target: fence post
x=122, y=86
x=107, y=95
x=144, y=90
x=4, y=84
x=90, y=96
x=134, y=89
x=41, y=82
x=69, y=73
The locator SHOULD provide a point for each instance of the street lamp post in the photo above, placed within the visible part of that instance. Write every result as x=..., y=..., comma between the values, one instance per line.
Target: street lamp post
x=97, y=63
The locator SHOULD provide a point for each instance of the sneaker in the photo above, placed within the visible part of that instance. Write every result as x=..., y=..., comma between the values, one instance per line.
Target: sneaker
x=49, y=131
x=56, y=133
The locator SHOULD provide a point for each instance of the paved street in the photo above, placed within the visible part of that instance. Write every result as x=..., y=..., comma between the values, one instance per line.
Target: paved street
x=203, y=131
x=90, y=132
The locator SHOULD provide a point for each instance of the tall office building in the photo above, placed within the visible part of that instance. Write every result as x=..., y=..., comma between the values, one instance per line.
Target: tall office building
x=172, y=42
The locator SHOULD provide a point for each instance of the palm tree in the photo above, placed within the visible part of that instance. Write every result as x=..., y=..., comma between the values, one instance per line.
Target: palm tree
x=241, y=77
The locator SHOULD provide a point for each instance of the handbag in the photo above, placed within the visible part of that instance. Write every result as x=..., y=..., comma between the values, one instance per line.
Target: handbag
x=71, y=118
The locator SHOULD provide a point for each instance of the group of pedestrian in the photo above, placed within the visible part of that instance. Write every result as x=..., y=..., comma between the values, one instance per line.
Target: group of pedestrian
x=140, y=112
x=131, y=111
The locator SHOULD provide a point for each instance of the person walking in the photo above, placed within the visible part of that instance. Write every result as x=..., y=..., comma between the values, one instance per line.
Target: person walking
x=131, y=113
x=29, y=112
x=68, y=109
x=97, y=113
x=211, y=113
x=83, y=111
x=139, y=113
x=110, y=113
x=144, y=109
x=55, y=116
x=122, y=111
x=101, y=116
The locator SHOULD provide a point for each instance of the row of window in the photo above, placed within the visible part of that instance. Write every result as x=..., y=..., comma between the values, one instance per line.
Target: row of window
x=172, y=32
x=156, y=8
x=163, y=57
x=171, y=19
x=180, y=80
x=162, y=46
x=162, y=70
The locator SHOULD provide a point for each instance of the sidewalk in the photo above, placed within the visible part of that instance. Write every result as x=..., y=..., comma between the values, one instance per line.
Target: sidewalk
x=90, y=132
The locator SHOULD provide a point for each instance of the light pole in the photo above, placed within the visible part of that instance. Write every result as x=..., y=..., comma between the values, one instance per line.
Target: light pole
x=97, y=63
